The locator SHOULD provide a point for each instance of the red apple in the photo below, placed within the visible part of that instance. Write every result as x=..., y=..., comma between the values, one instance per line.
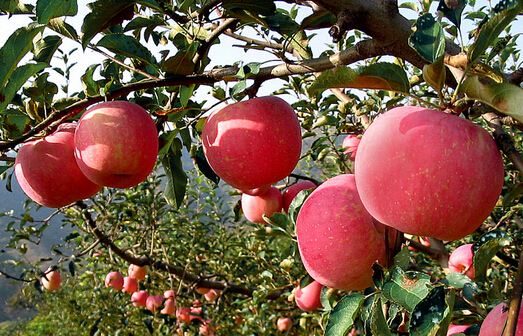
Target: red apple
x=48, y=173
x=494, y=323
x=207, y=329
x=337, y=238
x=308, y=297
x=428, y=173
x=254, y=143
x=350, y=144
x=202, y=290
x=254, y=207
x=116, y=144
x=114, y=279
x=169, y=307
x=290, y=193
x=137, y=272
x=212, y=294
x=460, y=260
x=154, y=303
x=284, y=323
x=182, y=314
x=169, y=294
x=455, y=329
x=130, y=285
x=139, y=299
x=52, y=280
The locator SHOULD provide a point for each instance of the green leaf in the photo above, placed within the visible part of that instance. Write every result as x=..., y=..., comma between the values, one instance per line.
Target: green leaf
x=428, y=38
x=251, y=10
x=279, y=220
x=3, y=169
x=91, y=88
x=435, y=73
x=203, y=165
x=454, y=13
x=63, y=28
x=504, y=97
x=489, y=32
x=459, y=280
x=186, y=93
x=72, y=267
x=16, y=46
x=297, y=202
x=15, y=7
x=128, y=46
x=49, y=9
x=344, y=314
x=484, y=250
x=14, y=123
x=46, y=47
x=378, y=324
x=176, y=178
x=318, y=19
x=406, y=288
x=378, y=76
x=18, y=78
x=432, y=315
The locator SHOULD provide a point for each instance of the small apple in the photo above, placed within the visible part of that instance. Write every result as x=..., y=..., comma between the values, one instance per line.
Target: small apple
x=454, y=329
x=169, y=294
x=350, y=144
x=169, y=307
x=182, y=314
x=130, y=285
x=202, y=290
x=114, y=279
x=154, y=302
x=308, y=297
x=47, y=171
x=460, y=260
x=137, y=272
x=290, y=193
x=52, y=280
x=207, y=329
x=139, y=299
x=116, y=144
x=495, y=321
x=254, y=207
x=212, y=294
x=284, y=323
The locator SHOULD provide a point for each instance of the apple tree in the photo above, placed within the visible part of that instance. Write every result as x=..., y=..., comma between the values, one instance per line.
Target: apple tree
x=319, y=180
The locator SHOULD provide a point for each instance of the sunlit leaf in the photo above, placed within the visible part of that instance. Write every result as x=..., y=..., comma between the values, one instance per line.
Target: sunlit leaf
x=406, y=288
x=343, y=316
x=128, y=46
x=15, y=123
x=453, y=13
x=18, y=78
x=63, y=28
x=435, y=73
x=49, y=9
x=46, y=47
x=428, y=38
x=432, y=315
x=176, y=178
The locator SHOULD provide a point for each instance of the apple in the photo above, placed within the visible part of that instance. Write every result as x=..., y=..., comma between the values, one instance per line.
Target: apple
x=350, y=144
x=428, y=173
x=290, y=193
x=202, y=290
x=254, y=207
x=137, y=272
x=337, y=238
x=47, y=171
x=455, y=329
x=169, y=294
x=169, y=307
x=182, y=314
x=139, y=299
x=212, y=294
x=284, y=323
x=114, y=279
x=308, y=297
x=154, y=302
x=495, y=321
x=130, y=285
x=460, y=260
x=116, y=144
x=52, y=280
x=207, y=329
x=253, y=144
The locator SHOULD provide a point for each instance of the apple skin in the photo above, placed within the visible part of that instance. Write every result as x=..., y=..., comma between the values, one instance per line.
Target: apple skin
x=130, y=285
x=212, y=294
x=115, y=280
x=254, y=143
x=139, y=299
x=351, y=143
x=428, y=173
x=308, y=297
x=169, y=294
x=496, y=319
x=460, y=260
x=254, y=207
x=116, y=144
x=290, y=193
x=154, y=303
x=454, y=329
x=137, y=272
x=52, y=280
x=169, y=307
x=182, y=314
x=284, y=323
x=47, y=171
x=337, y=238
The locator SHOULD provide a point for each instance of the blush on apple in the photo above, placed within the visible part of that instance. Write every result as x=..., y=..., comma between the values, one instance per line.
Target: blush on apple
x=308, y=297
x=337, y=238
x=116, y=144
x=254, y=207
x=428, y=173
x=115, y=280
x=455, y=329
x=253, y=144
x=460, y=260
x=48, y=173
x=52, y=280
x=154, y=303
x=139, y=299
x=169, y=307
x=130, y=285
x=137, y=272
x=290, y=193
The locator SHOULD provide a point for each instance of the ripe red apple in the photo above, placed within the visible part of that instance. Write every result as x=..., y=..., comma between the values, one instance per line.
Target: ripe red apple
x=116, y=144
x=130, y=285
x=290, y=193
x=351, y=143
x=253, y=144
x=337, y=238
x=114, y=279
x=182, y=314
x=154, y=303
x=139, y=299
x=52, y=280
x=47, y=171
x=284, y=323
x=254, y=207
x=202, y=290
x=495, y=321
x=455, y=329
x=169, y=294
x=169, y=307
x=308, y=297
x=212, y=294
x=460, y=260
x=207, y=329
x=137, y=272
x=428, y=173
